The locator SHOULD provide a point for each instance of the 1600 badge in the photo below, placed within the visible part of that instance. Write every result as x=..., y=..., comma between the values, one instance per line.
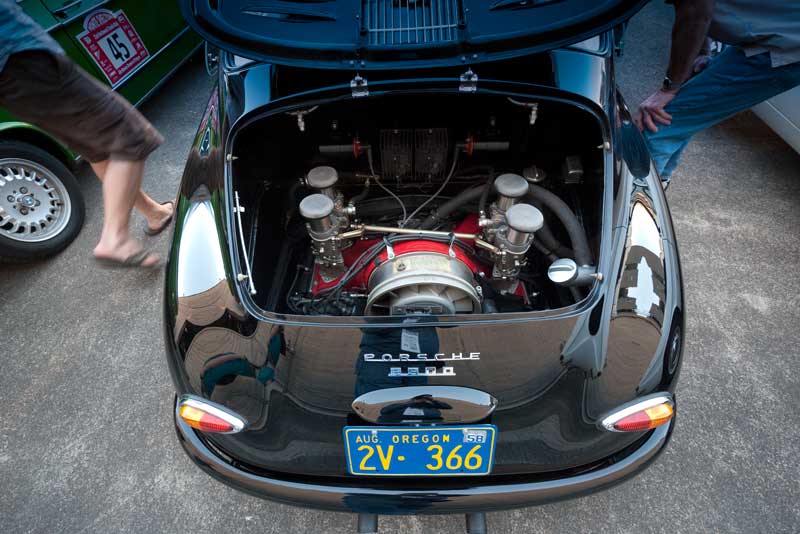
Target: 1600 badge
x=427, y=370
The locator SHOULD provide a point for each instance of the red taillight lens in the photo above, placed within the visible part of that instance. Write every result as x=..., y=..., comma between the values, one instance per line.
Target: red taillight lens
x=644, y=415
x=208, y=417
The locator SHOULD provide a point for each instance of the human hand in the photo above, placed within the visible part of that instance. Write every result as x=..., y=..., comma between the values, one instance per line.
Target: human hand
x=651, y=110
x=700, y=63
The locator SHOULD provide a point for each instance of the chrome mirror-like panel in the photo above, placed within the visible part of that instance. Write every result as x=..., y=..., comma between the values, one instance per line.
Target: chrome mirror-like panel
x=425, y=404
x=642, y=287
x=200, y=263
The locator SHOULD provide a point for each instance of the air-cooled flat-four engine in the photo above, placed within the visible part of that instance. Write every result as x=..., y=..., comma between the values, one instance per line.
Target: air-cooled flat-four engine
x=374, y=207
x=410, y=269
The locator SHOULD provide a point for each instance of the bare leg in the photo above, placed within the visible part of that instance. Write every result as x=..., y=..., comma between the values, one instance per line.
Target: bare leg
x=121, y=181
x=154, y=212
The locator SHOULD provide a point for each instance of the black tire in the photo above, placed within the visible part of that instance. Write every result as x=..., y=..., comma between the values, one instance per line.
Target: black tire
x=13, y=250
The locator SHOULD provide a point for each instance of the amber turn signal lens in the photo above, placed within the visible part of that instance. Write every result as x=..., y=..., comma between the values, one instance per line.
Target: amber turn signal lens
x=643, y=415
x=203, y=415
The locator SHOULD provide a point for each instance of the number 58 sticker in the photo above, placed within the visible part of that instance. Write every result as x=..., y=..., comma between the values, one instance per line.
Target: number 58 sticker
x=113, y=44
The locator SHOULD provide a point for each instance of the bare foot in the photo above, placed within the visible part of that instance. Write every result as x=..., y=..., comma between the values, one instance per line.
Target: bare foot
x=124, y=253
x=160, y=216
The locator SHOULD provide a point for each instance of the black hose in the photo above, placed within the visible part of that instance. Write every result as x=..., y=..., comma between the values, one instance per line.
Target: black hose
x=546, y=237
x=362, y=195
x=549, y=254
x=450, y=206
x=485, y=195
x=551, y=246
x=580, y=245
x=291, y=191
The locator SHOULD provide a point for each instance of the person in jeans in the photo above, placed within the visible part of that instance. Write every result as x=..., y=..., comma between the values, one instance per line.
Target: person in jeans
x=761, y=60
x=40, y=85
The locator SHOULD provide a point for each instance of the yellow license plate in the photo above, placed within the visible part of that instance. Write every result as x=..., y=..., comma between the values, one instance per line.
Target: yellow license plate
x=420, y=451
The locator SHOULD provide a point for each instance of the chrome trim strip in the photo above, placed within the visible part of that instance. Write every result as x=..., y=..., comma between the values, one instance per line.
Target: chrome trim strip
x=167, y=76
x=149, y=59
x=78, y=15
x=66, y=7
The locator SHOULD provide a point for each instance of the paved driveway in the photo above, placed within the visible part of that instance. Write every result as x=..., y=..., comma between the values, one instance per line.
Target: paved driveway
x=86, y=438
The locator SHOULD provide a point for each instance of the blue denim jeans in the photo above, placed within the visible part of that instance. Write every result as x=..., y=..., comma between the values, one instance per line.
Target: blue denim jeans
x=732, y=82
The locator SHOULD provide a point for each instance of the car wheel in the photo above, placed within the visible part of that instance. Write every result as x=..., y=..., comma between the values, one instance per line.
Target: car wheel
x=41, y=206
x=674, y=349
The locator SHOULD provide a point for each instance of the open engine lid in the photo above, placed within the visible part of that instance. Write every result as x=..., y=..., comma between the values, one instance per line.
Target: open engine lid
x=394, y=34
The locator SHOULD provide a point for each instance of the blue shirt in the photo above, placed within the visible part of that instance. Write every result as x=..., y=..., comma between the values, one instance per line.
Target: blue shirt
x=759, y=26
x=19, y=32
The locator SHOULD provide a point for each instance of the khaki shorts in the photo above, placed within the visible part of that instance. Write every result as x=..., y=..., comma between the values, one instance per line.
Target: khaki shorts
x=49, y=91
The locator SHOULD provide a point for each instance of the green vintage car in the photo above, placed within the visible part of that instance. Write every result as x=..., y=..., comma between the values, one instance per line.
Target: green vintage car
x=133, y=46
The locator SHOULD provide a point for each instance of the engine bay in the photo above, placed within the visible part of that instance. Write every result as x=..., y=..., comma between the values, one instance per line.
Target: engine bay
x=375, y=208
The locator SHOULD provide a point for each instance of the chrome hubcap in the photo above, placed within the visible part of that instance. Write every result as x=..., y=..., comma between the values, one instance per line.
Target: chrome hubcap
x=34, y=204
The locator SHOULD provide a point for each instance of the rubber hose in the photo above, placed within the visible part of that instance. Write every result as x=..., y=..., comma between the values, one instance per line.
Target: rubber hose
x=545, y=235
x=485, y=195
x=580, y=245
x=549, y=254
x=450, y=206
x=361, y=196
x=291, y=193
x=546, y=238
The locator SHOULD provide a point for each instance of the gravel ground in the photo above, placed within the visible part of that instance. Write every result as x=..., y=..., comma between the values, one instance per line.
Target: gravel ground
x=86, y=438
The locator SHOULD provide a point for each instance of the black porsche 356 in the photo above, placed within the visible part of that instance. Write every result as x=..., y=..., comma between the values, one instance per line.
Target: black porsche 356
x=422, y=262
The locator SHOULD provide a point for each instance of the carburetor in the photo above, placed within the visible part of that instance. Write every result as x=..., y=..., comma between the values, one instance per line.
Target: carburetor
x=324, y=180
x=514, y=239
x=510, y=228
x=326, y=216
x=323, y=226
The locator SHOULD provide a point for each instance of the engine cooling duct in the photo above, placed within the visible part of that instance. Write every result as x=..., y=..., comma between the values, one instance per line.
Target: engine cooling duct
x=423, y=277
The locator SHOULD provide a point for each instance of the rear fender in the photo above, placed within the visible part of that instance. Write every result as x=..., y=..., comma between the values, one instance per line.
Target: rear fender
x=22, y=131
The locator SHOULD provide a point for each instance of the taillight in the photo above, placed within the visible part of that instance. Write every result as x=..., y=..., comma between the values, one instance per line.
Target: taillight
x=207, y=416
x=643, y=415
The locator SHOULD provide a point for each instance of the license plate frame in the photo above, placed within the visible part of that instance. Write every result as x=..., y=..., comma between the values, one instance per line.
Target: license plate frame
x=413, y=458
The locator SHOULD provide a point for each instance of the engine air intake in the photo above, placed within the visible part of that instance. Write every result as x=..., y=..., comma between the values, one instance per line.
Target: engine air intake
x=399, y=22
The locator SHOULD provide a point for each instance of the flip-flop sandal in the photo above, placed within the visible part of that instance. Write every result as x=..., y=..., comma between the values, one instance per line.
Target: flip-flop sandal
x=134, y=261
x=155, y=231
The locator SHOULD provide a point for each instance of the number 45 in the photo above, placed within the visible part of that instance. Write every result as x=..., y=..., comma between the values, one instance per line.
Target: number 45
x=119, y=50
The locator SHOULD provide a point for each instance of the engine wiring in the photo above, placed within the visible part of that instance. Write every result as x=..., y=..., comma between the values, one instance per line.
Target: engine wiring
x=438, y=191
x=380, y=184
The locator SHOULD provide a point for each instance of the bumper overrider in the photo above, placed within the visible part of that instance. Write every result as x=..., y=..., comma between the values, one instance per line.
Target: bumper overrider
x=486, y=497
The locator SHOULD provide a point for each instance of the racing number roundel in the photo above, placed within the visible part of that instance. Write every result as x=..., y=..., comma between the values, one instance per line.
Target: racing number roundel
x=113, y=44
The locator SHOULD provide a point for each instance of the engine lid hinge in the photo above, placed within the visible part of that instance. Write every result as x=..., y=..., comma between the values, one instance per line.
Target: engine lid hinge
x=359, y=87
x=469, y=82
x=300, y=115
